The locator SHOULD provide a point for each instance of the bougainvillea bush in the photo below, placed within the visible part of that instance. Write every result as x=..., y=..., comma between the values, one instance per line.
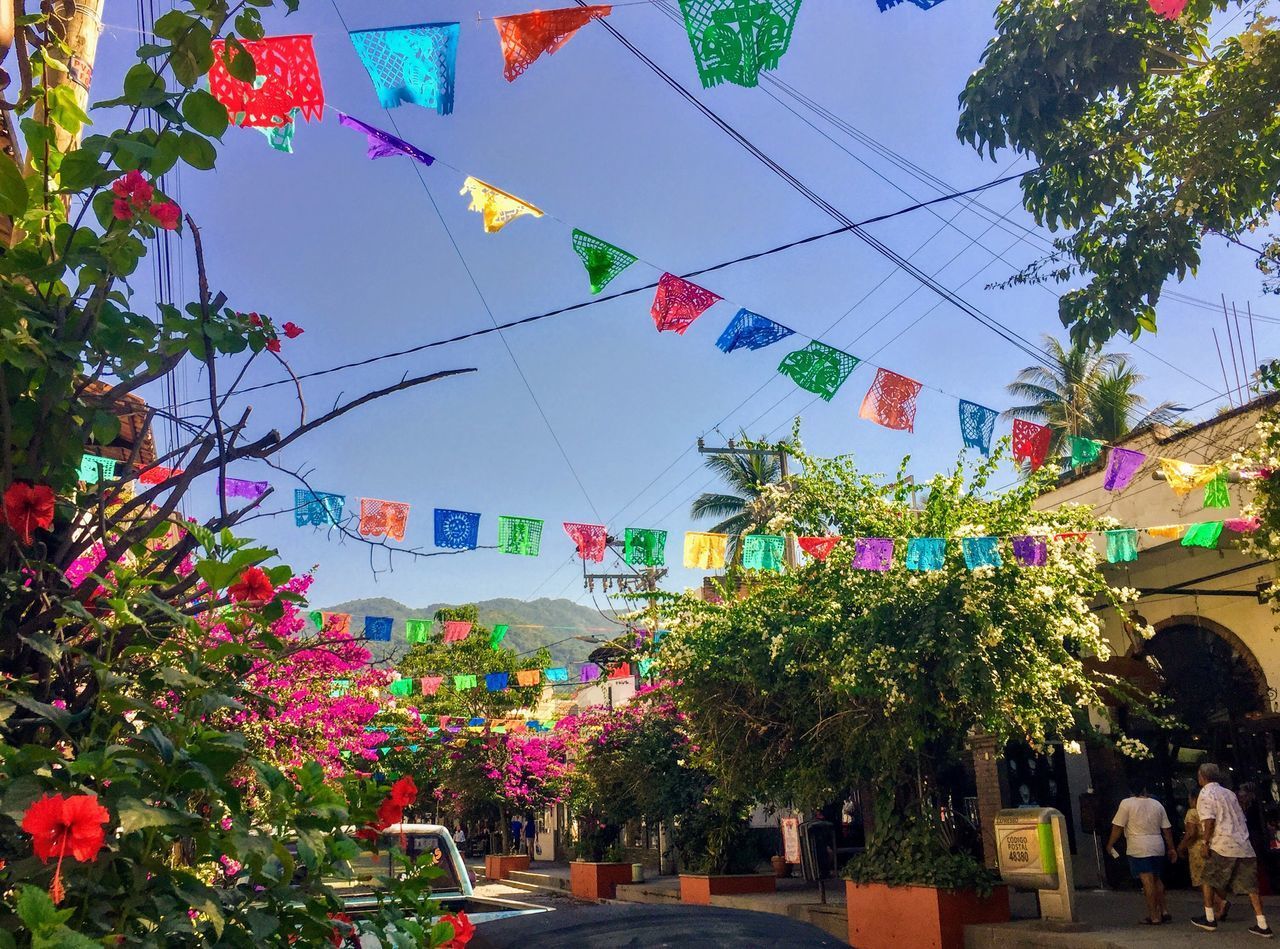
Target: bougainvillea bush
x=633, y=761
x=829, y=677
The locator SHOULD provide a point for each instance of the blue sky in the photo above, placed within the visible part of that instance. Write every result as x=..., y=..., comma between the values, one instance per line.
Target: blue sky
x=357, y=253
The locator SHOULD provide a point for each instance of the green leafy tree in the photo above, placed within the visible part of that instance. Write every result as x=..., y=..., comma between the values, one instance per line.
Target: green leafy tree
x=1150, y=138
x=827, y=677
x=471, y=656
x=1084, y=392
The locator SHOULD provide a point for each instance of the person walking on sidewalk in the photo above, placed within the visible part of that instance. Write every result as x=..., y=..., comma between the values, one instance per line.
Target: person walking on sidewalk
x=1192, y=846
x=1231, y=865
x=530, y=835
x=1148, y=840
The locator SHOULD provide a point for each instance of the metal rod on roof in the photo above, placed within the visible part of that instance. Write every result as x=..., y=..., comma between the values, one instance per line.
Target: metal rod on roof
x=1226, y=385
x=1253, y=339
x=1244, y=359
x=1231, y=345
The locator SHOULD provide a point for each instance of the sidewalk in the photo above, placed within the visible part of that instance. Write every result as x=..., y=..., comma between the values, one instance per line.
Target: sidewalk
x=1109, y=920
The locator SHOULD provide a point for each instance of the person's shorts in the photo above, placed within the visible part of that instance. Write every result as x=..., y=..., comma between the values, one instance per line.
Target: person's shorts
x=1235, y=875
x=1141, y=865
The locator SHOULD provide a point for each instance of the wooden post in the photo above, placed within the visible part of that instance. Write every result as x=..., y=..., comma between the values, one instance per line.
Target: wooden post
x=77, y=24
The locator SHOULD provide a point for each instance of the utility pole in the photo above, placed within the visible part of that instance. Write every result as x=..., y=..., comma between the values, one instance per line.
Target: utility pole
x=789, y=550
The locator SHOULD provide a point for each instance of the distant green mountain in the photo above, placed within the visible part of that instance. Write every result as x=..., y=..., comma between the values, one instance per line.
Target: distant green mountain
x=555, y=624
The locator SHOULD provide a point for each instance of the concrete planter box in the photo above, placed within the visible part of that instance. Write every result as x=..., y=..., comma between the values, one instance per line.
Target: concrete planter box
x=497, y=866
x=597, y=881
x=918, y=917
x=698, y=888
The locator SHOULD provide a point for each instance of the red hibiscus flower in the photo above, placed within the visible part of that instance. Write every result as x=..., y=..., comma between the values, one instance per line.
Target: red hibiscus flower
x=167, y=214
x=65, y=825
x=273, y=345
x=463, y=928
x=293, y=330
x=254, y=586
x=28, y=506
x=404, y=792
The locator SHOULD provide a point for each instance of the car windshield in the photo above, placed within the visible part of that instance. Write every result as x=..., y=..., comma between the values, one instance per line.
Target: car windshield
x=369, y=866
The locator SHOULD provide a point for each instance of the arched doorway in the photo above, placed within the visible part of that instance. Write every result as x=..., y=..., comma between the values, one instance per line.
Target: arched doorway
x=1217, y=694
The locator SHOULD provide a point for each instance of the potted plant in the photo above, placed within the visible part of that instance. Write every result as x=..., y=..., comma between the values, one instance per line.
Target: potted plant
x=910, y=888
x=599, y=866
x=717, y=854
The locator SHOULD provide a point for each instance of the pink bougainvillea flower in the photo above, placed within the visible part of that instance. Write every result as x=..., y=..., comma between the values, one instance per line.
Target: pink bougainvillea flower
x=293, y=330
x=255, y=319
x=134, y=187
x=121, y=210
x=65, y=825
x=254, y=586
x=167, y=214
x=26, y=507
x=273, y=345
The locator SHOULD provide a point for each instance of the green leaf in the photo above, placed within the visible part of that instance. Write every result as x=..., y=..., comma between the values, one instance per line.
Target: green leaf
x=135, y=815
x=239, y=61
x=36, y=909
x=143, y=86
x=13, y=188
x=192, y=53
x=60, y=717
x=204, y=113
x=65, y=110
x=19, y=794
x=197, y=151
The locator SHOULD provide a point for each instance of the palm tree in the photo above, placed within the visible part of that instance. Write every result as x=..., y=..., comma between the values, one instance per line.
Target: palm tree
x=739, y=512
x=1085, y=392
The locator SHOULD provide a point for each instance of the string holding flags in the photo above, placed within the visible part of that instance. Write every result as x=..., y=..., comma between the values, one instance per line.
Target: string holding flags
x=519, y=535
x=819, y=548
x=733, y=40
x=705, y=551
x=643, y=547
x=1031, y=442
x=417, y=630
x=457, y=530
x=380, y=518
x=95, y=468
x=1122, y=465
x=383, y=144
x=590, y=539
x=891, y=401
x=288, y=78
x=873, y=553
x=977, y=425
x=412, y=64
x=378, y=628
x=749, y=330
x=763, y=552
x=240, y=488
x=677, y=303
x=526, y=36
x=603, y=260
x=456, y=630
x=497, y=206
x=818, y=368
x=1084, y=451
x=317, y=507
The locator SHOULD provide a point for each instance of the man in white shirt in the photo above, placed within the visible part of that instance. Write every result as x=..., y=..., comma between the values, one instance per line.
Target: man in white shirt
x=1230, y=866
x=1148, y=840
